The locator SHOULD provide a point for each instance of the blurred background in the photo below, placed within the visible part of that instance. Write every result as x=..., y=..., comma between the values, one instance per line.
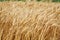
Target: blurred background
x=33, y=0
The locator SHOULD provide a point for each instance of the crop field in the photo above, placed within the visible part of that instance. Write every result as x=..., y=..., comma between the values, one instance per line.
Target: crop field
x=29, y=20
x=34, y=0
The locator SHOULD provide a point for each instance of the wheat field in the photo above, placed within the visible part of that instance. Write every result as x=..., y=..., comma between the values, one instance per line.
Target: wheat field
x=29, y=21
x=32, y=0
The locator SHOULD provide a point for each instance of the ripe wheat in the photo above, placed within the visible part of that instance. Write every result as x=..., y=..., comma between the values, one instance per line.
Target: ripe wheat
x=29, y=21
